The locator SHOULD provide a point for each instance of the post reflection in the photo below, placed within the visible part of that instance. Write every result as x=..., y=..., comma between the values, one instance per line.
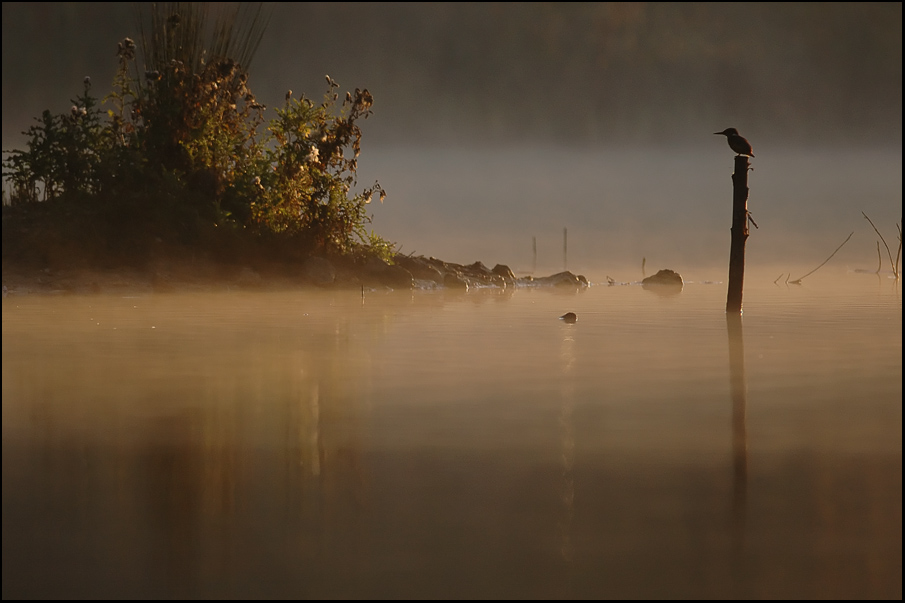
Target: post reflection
x=739, y=394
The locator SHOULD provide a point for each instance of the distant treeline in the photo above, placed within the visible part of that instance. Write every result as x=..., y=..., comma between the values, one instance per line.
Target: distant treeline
x=561, y=72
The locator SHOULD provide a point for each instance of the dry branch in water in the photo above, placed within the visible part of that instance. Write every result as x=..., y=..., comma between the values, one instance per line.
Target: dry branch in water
x=799, y=279
x=894, y=265
x=899, y=252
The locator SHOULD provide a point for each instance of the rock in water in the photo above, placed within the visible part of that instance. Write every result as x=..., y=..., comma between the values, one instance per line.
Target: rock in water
x=664, y=277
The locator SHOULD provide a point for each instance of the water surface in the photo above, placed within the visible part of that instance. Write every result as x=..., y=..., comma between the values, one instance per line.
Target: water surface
x=435, y=444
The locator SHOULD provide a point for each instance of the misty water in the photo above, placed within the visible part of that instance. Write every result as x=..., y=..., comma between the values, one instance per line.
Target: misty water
x=442, y=444
x=671, y=205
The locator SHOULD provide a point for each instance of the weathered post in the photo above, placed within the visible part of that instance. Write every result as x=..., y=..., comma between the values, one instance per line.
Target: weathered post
x=739, y=232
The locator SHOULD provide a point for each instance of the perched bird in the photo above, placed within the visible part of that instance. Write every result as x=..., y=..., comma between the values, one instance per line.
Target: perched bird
x=736, y=142
x=569, y=318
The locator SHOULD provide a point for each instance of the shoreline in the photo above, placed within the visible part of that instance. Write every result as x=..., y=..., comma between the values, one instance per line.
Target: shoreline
x=314, y=273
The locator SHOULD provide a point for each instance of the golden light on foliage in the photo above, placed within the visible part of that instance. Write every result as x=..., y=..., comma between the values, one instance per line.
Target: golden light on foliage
x=185, y=127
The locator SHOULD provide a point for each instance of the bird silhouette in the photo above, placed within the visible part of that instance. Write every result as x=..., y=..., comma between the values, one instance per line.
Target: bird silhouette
x=736, y=142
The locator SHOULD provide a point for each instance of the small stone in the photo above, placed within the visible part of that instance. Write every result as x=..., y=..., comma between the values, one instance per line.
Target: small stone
x=504, y=271
x=397, y=277
x=453, y=281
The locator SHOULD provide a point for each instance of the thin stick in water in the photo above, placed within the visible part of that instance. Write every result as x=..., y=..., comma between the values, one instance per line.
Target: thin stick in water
x=798, y=280
x=894, y=266
x=899, y=252
x=565, y=248
x=534, y=260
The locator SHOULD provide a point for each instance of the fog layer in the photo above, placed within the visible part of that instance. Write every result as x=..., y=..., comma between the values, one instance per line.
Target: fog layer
x=554, y=72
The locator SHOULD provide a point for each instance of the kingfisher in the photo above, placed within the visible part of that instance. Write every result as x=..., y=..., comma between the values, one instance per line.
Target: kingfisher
x=736, y=142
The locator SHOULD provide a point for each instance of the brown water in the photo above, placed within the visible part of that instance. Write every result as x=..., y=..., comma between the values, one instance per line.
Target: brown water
x=433, y=444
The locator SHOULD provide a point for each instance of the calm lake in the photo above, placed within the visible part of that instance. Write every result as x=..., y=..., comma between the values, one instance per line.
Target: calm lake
x=439, y=444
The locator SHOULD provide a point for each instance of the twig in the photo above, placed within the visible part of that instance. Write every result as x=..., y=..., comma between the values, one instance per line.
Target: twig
x=879, y=258
x=798, y=280
x=778, y=277
x=895, y=269
x=899, y=252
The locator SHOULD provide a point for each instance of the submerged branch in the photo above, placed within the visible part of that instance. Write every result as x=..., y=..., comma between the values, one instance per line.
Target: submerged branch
x=799, y=279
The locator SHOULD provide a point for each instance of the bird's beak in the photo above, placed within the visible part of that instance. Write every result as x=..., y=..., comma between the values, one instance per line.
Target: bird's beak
x=717, y=132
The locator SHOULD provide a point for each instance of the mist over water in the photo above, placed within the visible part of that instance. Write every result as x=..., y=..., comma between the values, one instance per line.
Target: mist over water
x=581, y=73
x=671, y=206
x=436, y=444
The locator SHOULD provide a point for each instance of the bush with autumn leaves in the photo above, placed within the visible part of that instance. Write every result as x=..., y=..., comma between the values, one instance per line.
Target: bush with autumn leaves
x=180, y=148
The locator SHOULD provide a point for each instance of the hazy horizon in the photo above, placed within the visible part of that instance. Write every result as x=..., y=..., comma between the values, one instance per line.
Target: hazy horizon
x=494, y=122
x=479, y=73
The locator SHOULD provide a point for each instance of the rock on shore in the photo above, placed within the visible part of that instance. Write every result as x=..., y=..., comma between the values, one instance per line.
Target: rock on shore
x=165, y=276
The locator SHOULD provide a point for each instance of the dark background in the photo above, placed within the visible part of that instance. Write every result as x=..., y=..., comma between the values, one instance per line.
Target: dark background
x=567, y=73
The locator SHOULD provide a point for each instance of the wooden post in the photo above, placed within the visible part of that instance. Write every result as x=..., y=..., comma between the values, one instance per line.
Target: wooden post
x=739, y=233
x=565, y=248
